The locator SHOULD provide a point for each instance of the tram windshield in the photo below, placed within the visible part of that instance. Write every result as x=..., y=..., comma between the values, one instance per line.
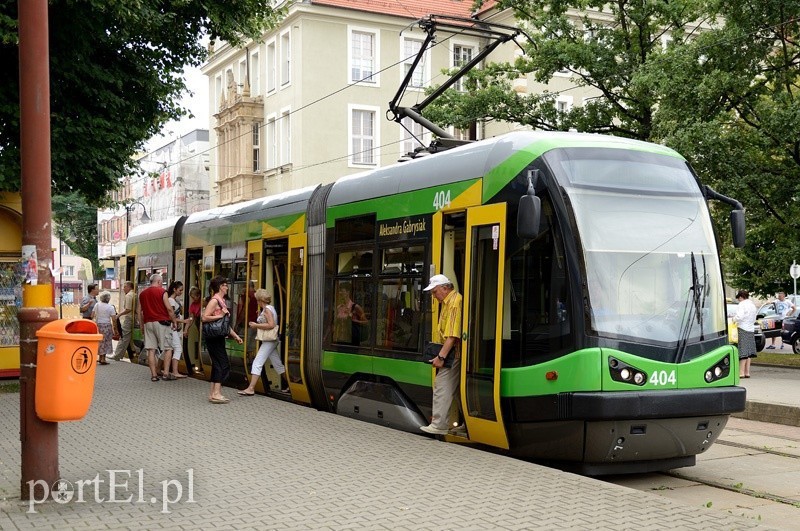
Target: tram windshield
x=652, y=270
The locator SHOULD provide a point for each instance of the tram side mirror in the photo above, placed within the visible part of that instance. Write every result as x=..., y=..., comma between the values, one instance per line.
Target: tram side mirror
x=737, y=228
x=529, y=217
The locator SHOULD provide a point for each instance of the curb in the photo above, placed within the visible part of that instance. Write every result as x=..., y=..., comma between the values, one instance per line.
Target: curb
x=774, y=413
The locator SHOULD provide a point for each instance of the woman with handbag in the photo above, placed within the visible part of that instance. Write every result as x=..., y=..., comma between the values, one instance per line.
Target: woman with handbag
x=102, y=314
x=216, y=327
x=266, y=327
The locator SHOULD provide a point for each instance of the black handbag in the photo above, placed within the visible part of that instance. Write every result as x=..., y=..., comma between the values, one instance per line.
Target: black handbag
x=431, y=350
x=218, y=328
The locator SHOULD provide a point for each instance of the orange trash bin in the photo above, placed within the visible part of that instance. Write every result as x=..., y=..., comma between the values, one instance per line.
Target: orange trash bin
x=65, y=366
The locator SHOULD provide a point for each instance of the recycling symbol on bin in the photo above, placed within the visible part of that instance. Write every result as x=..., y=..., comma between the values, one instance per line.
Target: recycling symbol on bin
x=82, y=360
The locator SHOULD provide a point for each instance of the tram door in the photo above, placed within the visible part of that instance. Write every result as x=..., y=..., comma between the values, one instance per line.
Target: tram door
x=180, y=275
x=253, y=280
x=295, y=320
x=483, y=320
x=194, y=279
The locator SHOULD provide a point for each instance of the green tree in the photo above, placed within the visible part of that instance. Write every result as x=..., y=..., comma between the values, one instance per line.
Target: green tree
x=716, y=80
x=115, y=71
x=731, y=106
x=75, y=223
x=610, y=53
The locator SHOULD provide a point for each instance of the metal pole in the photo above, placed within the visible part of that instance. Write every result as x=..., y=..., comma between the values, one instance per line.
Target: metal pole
x=39, y=438
x=60, y=279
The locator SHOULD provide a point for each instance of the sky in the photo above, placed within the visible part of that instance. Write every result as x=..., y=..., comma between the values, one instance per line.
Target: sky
x=197, y=103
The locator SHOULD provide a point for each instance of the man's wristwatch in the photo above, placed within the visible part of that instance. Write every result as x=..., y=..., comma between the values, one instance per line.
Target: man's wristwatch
x=441, y=357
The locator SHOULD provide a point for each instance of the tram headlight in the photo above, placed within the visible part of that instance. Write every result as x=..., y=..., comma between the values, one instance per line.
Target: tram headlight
x=622, y=372
x=721, y=369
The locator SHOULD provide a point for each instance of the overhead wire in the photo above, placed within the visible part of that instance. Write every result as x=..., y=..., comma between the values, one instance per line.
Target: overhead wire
x=391, y=66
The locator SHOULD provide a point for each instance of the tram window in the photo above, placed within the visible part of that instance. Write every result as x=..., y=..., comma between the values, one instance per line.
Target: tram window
x=360, y=229
x=236, y=273
x=354, y=263
x=399, y=318
x=405, y=260
x=353, y=312
x=538, y=297
x=141, y=280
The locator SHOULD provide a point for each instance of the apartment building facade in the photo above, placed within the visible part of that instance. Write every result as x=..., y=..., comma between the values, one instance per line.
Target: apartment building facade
x=307, y=104
x=173, y=181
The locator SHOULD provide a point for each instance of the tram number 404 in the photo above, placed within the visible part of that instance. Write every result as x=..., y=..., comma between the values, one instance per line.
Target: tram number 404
x=441, y=199
x=663, y=378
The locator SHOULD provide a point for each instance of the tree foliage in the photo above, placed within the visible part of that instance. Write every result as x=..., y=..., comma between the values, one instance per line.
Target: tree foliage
x=75, y=223
x=715, y=79
x=115, y=79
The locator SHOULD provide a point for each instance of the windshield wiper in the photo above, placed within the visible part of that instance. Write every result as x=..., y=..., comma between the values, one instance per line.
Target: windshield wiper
x=695, y=310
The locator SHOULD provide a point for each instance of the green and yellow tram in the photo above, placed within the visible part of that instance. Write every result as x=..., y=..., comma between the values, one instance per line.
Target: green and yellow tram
x=594, y=315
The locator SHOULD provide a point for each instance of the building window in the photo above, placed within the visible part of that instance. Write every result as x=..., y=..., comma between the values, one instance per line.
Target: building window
x=242, y=73
x=69, y=271
x=255, y=75
x=286, y=137
x=363, y=56
x=272, y=143
x=461, y=56
x=272, y=58
x=363, y=135
x=286, y=54
x=411, y=48
x=65, y=250
x=563, y=103
x=256, y=147
x=414, y=135
x=217, y=92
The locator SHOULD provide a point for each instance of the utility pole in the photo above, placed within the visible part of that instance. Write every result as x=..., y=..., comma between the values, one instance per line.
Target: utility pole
x=39, y=438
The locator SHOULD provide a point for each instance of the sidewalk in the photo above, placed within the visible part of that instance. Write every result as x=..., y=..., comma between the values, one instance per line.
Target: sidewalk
x=773, y=395
x=179, y=462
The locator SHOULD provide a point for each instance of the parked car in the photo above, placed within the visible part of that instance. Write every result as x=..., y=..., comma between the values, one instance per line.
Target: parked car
x=790, y=331
x=730, y=310
x=770, y=322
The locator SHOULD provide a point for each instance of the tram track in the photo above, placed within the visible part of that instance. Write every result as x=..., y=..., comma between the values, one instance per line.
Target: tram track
x=738, y=487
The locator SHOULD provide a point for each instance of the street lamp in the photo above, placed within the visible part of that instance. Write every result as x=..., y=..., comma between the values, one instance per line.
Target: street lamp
x=128, y=209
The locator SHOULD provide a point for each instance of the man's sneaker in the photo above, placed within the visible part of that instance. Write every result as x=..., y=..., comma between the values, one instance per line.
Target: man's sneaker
x=771, y=346
x=434, y=431
x=460, y=431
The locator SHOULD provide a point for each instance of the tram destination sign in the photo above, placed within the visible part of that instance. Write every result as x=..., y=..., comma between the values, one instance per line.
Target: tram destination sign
x=405, y=228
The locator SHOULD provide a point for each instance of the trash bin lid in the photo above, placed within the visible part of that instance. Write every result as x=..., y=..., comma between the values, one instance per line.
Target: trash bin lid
x=70, y=329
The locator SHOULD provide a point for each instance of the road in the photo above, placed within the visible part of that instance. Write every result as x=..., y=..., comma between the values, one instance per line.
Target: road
x=753, y=470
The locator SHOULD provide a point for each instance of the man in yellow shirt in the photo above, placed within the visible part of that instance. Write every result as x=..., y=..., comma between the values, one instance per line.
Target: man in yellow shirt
x=445, y=386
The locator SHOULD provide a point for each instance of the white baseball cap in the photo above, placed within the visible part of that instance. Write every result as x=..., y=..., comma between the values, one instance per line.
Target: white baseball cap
x=437, y=280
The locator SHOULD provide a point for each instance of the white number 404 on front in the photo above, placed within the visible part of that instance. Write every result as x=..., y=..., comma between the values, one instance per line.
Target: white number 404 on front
x=663, y=378
x=441, y=199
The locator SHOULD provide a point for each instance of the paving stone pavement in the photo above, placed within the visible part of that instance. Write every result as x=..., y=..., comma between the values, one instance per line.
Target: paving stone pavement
x=260, y=463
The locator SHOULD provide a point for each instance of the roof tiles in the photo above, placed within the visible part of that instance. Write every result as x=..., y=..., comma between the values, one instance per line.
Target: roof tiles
x=413, y=9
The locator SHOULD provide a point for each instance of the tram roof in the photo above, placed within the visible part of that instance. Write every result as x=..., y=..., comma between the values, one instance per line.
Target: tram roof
x=155, y=229
x=290, y=202
x=472, y=161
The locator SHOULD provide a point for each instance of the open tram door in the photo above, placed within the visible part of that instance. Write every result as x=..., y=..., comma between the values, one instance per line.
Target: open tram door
x=483, y=321
x=295, y=327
